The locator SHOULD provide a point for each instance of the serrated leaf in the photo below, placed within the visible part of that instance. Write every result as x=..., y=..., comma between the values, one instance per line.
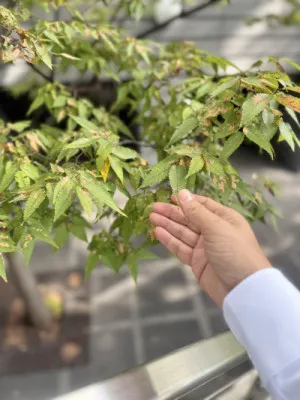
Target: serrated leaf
x=61, y=235
x=157, y=173
x=30, y=170
x=224, y=86
x=184, y=130
x=177, y=176
x=27, y=245
x=43, y=55
x=287, y=134
x=2, y=269
x=91, y=264
x=252, y=107
x=37, y=102
x=85, y=200
x=132, y=262
x=117, y=167
x=204, y=89
x=124, y=153
x=256, y=136
x=98, y=191
x=268, y=117
x=7, y=245
x=145, y=254
x=293, y=115
x=102, y=154
x=33, y=202
x=63, y=197
x=39, y=231
x=80, y=143
x=84, y=123
x=21, y=126
x=104, y=171
x=196, y=165
x=78, y=231
x=232, y=144
x=9, y=176
x=289, y=101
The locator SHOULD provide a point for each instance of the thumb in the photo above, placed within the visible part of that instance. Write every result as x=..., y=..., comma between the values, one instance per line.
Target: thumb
x=199, y=217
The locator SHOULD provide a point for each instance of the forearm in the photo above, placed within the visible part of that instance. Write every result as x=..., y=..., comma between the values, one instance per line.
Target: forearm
x=263, y=312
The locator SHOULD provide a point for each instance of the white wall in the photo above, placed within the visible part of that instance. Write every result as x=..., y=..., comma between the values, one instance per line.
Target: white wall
x=222, y=31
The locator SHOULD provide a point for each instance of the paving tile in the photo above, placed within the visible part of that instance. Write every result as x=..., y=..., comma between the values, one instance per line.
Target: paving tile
x=166, y=293
x=41, y=386
x=163, y=339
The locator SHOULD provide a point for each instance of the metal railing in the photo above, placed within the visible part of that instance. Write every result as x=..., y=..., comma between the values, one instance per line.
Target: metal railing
x=197, y=371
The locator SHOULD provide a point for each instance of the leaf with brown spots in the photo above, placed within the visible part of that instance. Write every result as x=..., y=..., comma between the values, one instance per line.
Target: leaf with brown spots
x=289, y=101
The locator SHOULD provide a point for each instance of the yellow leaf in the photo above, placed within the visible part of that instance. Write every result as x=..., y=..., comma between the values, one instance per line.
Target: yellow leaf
x=289, y=101
x=105, y=169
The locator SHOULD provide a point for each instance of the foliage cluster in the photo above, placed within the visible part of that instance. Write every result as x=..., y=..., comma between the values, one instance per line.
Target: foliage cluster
x=55, y=176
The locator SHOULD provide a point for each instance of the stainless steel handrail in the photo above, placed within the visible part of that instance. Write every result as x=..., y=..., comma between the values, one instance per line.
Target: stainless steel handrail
x=172, y=376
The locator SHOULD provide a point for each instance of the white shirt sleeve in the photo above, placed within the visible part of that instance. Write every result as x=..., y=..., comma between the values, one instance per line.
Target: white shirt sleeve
x=263, y=313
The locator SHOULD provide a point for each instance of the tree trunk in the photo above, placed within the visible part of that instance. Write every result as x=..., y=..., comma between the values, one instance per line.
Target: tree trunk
x=26, y=285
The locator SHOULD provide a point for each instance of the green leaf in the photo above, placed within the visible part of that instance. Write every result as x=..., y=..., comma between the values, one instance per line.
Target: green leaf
x=184, y=130
x=177, y=176
x=33, y=202
x=91, y=264
x=204, y=89
x=117, y=167
x=30, y=170
x=21, y=126
x=196, y=165
x=80, y=143
x=2, y=269
x=6, y=243
x=229, y=83
x=158, y=173
x=132, y=261
x=99, y=191
x=86, y=124
x=41, y=232
x=43, y=55
x=293, y=115
x=61, y=235
x=85, y=200
x=145, y=254
x=63, y=197
x=287, y=134
x=102, y=153
x=254, y=106
x=255, y=135
x=9, y=176
x=37, y=102
x=78, y=231
x=232, y=144
x=268, y=117
x=124, y=153
x=27, y=245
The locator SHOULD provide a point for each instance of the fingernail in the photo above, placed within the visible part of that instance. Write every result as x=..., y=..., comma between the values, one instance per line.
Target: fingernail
x=184, y=196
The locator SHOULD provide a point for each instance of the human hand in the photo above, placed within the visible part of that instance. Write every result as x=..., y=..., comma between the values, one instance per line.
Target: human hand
x=216, y=241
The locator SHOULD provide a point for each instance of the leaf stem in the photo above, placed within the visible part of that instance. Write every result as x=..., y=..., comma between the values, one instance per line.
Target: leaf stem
x=39, y=72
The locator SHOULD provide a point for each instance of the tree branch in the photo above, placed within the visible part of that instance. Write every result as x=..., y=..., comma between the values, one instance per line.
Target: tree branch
x=39, y=72
x=139, y=143
x=183, y=14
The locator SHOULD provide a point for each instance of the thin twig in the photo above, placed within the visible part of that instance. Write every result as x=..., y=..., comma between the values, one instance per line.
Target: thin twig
x=183, y=14
x=39, y=72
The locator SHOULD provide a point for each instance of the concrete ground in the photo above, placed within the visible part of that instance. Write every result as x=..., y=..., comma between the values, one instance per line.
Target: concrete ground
x=133, y=324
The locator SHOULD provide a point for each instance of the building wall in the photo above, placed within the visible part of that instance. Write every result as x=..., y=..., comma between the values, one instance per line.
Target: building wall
x=222, y=31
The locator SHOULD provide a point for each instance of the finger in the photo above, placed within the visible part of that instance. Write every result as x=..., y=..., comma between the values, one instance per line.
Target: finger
x=170, y=211
x=211, y=205
x=199, y=217
x=174, y=245
x=181, y=232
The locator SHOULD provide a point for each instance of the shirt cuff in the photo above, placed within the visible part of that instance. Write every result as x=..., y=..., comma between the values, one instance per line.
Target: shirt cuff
x=263, y=312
